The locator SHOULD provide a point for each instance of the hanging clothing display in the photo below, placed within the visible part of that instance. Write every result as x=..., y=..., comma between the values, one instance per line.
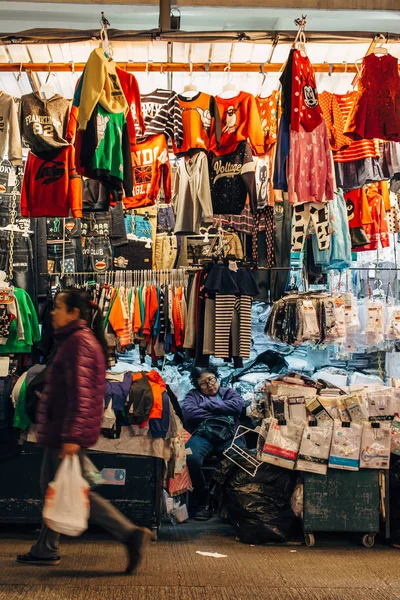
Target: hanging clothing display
x=51, y=186
x=240, y=121
x=162, y=114
x=192, y=197
x=232, y=178
x=10, y=136
x=131, y=91
x=151, y=171
x=198, y=115
x=306, y=111
x=19, y=327
x=100, y=85
x=44, y=122
x=376, y=113
x=311, y=175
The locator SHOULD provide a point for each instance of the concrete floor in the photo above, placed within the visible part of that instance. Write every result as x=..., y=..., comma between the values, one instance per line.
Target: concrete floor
x=337, y=569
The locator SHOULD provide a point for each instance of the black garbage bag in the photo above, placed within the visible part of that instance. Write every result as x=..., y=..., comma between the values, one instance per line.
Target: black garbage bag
x=257, y=507
x=394, y=495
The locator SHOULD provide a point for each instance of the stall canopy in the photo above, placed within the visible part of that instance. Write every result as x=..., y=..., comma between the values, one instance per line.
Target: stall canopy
x=248, y=45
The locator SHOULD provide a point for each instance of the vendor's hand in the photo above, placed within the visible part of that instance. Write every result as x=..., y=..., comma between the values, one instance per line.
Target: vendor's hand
x=69, y=450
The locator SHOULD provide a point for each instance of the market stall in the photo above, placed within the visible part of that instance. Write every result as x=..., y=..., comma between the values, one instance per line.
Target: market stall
x=234, y=202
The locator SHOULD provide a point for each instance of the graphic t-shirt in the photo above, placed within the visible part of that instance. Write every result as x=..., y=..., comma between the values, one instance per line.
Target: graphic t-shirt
x=305, y=108
x=232, y=177
x=198, y=114
x=44, y=122
x=151, y=168
x=51, y=186
x=240, y=122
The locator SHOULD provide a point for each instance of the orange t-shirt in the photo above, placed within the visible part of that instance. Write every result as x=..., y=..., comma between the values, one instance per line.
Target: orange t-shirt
x=151, y=168
x=198, y=115
x=239, y=121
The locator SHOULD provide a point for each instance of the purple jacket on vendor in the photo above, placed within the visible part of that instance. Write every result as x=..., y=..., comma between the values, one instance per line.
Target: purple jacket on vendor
x=70, y=409
x=197, y=406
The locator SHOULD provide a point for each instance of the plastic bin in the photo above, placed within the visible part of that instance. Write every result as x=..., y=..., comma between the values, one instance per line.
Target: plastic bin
x=135, y=486
x=344, y=501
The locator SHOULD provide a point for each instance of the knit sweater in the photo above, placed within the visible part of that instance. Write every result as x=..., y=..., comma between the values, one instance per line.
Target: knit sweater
x=10, y=138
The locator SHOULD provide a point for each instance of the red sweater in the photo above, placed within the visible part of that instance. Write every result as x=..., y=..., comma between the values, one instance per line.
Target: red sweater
x=51, y=186
x=131, y=91
x=240, y=121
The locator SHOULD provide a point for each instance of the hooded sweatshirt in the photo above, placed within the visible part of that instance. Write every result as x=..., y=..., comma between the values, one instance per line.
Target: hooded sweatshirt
x=100, y=85
x=10, y=137
x=44, y=122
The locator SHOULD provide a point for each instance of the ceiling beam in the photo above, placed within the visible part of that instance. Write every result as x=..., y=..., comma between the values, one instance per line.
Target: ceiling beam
x=311, y=4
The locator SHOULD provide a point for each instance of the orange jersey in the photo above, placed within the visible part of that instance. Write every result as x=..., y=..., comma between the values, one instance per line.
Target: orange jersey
x=240, y=121
x=151, y=168
x=198, y=114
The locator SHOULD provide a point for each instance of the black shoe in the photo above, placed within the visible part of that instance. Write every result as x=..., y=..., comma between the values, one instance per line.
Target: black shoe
x=31, y=559
x=203, y=514
x=136, y=546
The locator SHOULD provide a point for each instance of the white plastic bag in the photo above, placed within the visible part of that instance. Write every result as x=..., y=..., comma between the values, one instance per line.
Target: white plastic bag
x=66, y=507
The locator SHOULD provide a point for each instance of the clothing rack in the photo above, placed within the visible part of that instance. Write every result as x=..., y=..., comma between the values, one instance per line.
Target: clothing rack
x=176, y=67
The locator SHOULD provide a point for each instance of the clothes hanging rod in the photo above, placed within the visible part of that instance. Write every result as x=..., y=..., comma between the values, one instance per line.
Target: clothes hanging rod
x=174, y=67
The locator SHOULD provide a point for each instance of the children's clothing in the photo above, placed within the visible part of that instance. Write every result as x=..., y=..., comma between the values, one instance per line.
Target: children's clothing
x=376, y=112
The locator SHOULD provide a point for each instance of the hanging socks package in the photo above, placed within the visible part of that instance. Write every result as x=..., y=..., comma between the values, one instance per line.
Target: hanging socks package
x=375, y=446
x=282, y=443
x=314, y=448
x=381, y=405
x=346, y=445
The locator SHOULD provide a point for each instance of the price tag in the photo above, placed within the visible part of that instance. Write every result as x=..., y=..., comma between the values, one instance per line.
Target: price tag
x=12, y=178
x=4, y=365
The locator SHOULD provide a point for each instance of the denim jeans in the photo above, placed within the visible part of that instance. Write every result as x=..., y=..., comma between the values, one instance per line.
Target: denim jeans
x=201, y=449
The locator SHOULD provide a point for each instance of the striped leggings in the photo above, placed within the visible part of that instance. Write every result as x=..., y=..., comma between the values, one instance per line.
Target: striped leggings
x=232, y=326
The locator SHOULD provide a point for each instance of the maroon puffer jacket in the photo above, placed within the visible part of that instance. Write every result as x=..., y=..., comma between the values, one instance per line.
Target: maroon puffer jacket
x=71, y=407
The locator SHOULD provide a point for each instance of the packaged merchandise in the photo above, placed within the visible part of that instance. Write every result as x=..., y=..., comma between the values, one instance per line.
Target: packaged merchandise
x=282, y=443
x=315, y=407
x=346, y=445
x=342, y=409
x=375, y=322
x=375, y=446
x=381, y=406
x=315, y=447
x=356, y=407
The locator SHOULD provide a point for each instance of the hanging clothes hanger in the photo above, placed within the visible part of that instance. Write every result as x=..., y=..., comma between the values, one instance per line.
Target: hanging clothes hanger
x=190, y=88
x=379, y=48
x=47, y=90
x=300, y=39
x=229, y=90
x=104, y=42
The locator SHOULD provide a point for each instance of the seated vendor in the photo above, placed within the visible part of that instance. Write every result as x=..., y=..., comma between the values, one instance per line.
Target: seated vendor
x=211, y=414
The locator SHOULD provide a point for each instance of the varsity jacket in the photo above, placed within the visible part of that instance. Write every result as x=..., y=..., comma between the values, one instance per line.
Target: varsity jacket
x=162, y=114
x=240, y=121
x=198, y=114
x=150, y=168
x=232, y=177
x=51, y=186
x=44, y=122
x=100, y=85
x=10, y=137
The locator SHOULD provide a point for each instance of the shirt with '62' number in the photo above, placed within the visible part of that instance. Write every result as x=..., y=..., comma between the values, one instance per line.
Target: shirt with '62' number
x=44, y=121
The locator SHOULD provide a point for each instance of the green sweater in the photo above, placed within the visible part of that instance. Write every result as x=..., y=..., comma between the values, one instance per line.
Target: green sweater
x=30, y=323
